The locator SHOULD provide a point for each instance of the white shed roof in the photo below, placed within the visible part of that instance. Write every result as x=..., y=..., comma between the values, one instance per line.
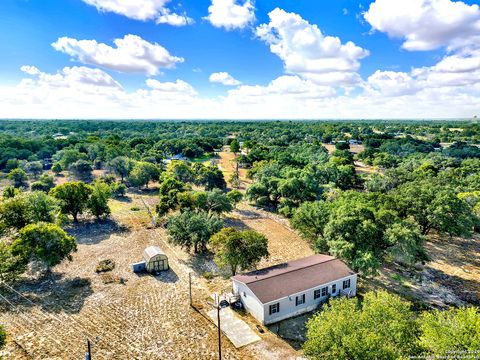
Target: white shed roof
x=152, y=251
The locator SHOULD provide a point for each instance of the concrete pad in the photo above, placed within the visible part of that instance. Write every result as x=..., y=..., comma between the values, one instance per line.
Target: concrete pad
x=237, y=330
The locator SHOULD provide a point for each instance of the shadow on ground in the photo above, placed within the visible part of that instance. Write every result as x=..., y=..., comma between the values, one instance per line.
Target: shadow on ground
x=293, y=330
x=53, y=293
x=93, y=232
x=167, y=276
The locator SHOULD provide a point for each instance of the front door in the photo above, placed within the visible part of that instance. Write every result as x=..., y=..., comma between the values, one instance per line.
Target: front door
x=159, y=265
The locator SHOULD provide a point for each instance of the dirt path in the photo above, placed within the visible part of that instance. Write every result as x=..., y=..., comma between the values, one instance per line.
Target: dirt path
x=227, y=165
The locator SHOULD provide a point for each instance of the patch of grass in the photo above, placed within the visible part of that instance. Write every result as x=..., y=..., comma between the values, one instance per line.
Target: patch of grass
x=105, y=265
x=135, y=208
x=208, y=275
x=203, y=158
x=398, y=278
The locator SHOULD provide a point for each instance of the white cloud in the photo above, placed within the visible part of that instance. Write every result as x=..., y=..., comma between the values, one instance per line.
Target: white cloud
x=230, y=15
x=81, y=92
x=30, y=70
x=459, y=73
x=131, y=54
x=142, y=10
x=176, y=88
x=290, y=86
x=224, y=78
x=307, y=52
x=426, y=24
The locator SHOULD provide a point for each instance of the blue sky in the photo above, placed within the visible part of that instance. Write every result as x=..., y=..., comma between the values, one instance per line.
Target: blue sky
x=406, y=61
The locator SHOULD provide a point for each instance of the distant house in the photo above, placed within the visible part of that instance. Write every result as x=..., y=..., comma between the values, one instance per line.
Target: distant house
x=290, y=289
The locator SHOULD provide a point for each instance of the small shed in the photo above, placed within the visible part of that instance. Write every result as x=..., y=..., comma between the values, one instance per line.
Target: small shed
x=155, y=259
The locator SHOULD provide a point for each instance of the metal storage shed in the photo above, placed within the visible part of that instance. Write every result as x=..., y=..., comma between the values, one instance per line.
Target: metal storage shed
x=155, y=259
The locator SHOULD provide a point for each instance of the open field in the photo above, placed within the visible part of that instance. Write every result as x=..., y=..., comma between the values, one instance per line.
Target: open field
x=450, y=277
x=227, y=165
x=126, y=316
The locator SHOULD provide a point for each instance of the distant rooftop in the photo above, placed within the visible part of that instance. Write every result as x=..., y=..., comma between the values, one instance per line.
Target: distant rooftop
x=279, y=281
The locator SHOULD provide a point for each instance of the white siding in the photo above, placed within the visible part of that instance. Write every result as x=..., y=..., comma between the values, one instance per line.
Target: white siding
x=249, y=300
x=288, y=307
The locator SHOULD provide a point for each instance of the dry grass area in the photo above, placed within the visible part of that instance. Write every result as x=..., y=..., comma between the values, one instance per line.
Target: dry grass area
x=227, y=165
x=283, y=243
x=126, y=316
x=450, y=277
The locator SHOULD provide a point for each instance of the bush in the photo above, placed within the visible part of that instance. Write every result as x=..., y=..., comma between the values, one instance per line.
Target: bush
x=105, y=265
x=208, y=275
x=3, y=337
x=118, y=190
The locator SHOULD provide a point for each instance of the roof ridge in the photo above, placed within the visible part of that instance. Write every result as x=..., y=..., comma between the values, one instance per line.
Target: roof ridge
x=301, y=268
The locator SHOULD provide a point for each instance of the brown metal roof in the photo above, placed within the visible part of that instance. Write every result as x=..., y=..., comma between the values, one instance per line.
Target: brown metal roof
x=289, y=278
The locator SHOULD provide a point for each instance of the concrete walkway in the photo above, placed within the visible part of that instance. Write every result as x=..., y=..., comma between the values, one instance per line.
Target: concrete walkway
x=237, y=331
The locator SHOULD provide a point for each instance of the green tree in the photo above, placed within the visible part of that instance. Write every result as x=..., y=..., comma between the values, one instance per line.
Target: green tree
x=98, y=202
x=168, y=193
x=235, y=146
x=238, y=249
x=35, y=168
x=121, y=166
x=181, y=171
x=19, y=178
x=382, y=327
x=43, y=242
x=234, y=196
x=211, y=177
x=448, y=333
x=142, y=173
x=14, y=212
x=57, y=168
x=45, y=183
x=41, y=207
x=11, y=266
x=81, y=170
x=3, y=337
x=310, y=220
x=213, y=202
x=10, y=192
x=406, y=242
x=192, y=229
x=434, y=206
x=73, y=197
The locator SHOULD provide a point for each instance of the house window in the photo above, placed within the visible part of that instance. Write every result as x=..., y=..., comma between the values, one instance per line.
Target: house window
x=316, y=294
x=274, y=308
x=334, y=288
x=346, y=284
x=324, y=291
x=299, y=300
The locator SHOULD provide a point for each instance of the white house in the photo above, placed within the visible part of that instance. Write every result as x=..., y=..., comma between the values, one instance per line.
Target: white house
x=290, y=289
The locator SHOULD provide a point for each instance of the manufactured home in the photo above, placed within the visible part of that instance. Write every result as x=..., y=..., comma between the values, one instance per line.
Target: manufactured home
x=293, y=288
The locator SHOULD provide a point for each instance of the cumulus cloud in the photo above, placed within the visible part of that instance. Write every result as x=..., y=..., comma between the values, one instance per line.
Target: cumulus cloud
x=307, y=52
x=290, y=86
x=426, y=24
x=231, y=14
x=457, y=73
x=224, y=78
x=130, y=54
x=81, y=92
x=178, y=87
x=142, y=10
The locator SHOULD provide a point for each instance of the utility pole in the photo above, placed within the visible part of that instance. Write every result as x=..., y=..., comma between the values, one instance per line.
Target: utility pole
x=219, y=332
x=190, y=287
x=89, y=351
